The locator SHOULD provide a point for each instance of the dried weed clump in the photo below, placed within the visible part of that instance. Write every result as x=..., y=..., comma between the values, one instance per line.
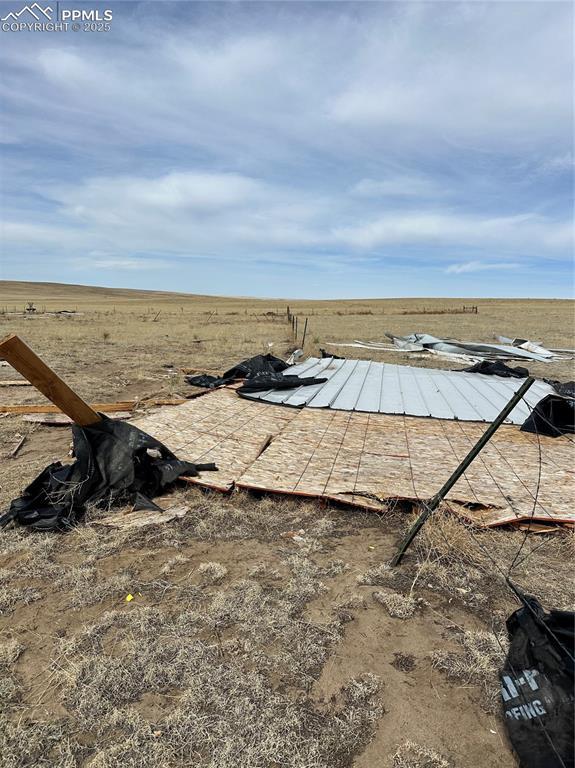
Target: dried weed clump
x=378, y=576
x=172, y=563
x=11, y=597
x=42, y=745
x=243, y=516
x=482, y=658
x=411, y=755
x=211, y=573
x=398, y=606
x=86, y=585
x=10, y=650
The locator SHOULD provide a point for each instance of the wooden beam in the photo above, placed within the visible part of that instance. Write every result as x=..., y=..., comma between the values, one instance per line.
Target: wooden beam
x=29, y=365
x=126, y=405
x=15, y=383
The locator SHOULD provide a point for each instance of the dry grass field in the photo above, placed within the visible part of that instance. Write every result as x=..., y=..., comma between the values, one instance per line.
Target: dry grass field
x=243, y=647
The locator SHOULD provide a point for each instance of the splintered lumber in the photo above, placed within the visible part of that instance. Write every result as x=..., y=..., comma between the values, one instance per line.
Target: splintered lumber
x=19, y=444
x=35, y=370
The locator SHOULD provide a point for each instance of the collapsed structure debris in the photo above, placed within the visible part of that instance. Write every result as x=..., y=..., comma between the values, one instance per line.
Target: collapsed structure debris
x=115, y=462
x=372, y=387
x=260, y=374
x=424, y=344
x=369, y=461
x=119, y=407
x=475, y=351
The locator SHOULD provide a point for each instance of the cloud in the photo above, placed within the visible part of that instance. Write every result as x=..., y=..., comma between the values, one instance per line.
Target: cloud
x=523, y=231
x=97, y=260
x=246, y=139
x=398, y=186
x=480, y=266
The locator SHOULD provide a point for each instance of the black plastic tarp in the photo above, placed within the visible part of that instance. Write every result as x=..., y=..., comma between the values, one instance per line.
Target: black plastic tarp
x=497, y=368
x=261, y=373
x=115, y=463
x=537, y=686
x=262, y=382
x=554, y=415
x=253, y=366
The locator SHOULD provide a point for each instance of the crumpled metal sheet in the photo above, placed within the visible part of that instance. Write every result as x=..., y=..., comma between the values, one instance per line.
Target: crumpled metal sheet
x=479, y=350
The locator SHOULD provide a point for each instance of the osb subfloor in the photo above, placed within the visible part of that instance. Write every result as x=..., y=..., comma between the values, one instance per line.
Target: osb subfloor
x=368, y=459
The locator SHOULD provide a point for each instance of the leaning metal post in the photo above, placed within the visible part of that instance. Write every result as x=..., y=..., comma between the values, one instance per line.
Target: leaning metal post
x=473, y=453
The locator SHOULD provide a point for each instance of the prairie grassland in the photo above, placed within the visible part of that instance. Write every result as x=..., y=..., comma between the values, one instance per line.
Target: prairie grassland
x=118, y=347
x=242, y=647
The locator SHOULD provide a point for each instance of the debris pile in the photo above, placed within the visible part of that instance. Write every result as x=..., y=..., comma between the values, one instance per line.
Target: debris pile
x=260, y=374
x=508, y=349
x=425, y=344
x=116, y=463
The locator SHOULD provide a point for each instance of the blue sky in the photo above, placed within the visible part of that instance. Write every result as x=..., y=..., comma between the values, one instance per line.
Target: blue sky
x=294, y=149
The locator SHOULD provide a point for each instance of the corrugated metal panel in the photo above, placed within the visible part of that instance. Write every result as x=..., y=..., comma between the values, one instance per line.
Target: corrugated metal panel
x=370, y=387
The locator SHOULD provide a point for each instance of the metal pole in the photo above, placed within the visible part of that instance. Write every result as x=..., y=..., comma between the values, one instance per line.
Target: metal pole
x=473, y=453
x=295, y=330
x=304, y=333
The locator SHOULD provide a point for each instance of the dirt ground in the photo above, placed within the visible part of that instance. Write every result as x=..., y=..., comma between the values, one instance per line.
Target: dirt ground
x=243, y=646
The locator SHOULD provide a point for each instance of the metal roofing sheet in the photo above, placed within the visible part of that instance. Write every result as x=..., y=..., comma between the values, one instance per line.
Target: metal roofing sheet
x=370, y=387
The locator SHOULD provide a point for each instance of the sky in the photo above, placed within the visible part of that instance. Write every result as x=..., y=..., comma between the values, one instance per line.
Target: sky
x=293, y=149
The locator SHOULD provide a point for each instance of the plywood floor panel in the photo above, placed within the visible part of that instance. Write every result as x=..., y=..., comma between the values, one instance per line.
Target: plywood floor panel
x=366, y=459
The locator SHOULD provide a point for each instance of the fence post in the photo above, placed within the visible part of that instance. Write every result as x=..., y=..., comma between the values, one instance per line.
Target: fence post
x=304, y=333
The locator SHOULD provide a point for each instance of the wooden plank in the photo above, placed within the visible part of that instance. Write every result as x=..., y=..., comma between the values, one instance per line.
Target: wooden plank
x=29, y=365
x=61, y=420
x=101, y=407
x=121, y=405
x=15, y=383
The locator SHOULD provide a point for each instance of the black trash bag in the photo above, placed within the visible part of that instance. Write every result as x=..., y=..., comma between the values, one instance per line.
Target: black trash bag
x=244, y=370
x=258, y=364
x=262, y=382
x=115, y=463
x=497, y=368
x=537, y=686
x=553, y=416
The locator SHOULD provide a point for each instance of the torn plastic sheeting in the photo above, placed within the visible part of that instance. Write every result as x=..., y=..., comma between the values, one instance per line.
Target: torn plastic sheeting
x=264, y=382
x=497, y=368
x=248, y=368
x=115, y=463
